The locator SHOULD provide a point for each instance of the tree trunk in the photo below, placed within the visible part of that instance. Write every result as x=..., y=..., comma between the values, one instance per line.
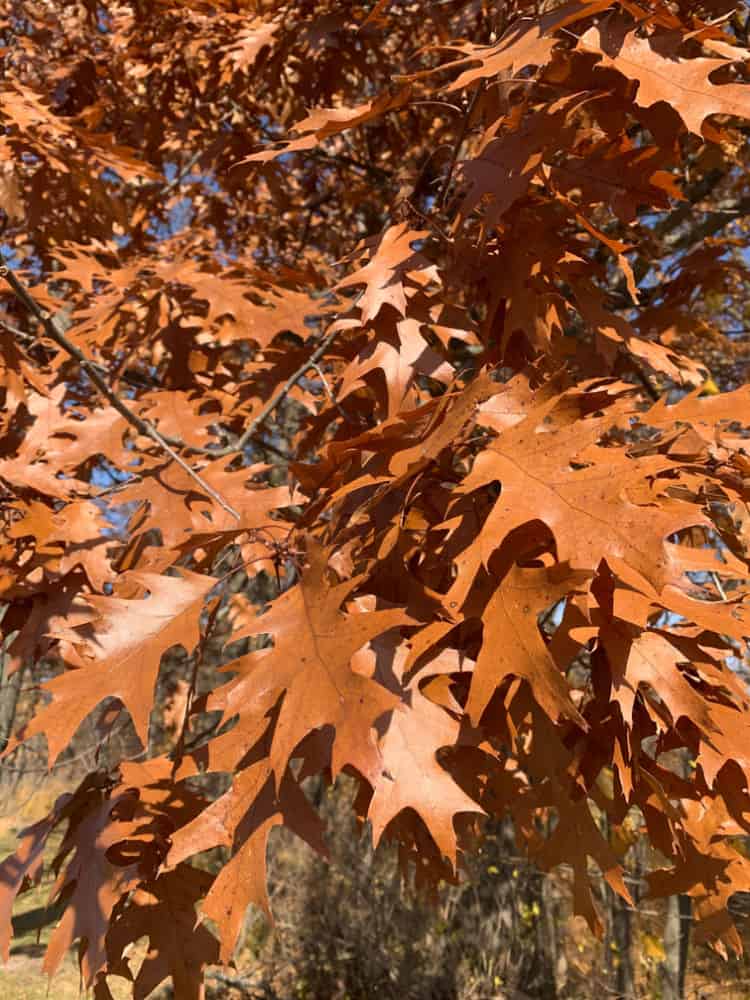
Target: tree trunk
x=10, y=691
x=618, y=938
x=621, y=918
x=676, y=947
x=677, y=923
x=537, y=942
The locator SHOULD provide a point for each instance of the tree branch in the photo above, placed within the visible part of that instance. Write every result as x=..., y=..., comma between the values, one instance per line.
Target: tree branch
x=283, y=392
x=179, y=747
x=168, y=444
x=643, y=378
x=93, y=372
x=457, y=147
x=139, y=382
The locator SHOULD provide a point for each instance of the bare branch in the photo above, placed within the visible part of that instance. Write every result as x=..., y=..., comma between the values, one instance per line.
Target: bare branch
x=283, y=392
x=457, y=147
x=92, y=370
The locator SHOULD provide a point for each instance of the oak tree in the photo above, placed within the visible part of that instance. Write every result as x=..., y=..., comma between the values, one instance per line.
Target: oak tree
x=415, y=310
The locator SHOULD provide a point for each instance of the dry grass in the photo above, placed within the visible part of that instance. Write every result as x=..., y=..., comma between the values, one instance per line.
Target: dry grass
x=22, y=978
x=349, y=931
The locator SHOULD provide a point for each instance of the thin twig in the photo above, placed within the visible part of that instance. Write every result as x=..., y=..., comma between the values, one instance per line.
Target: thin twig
x=182, y=174
x=457, y=147
x=442, y=104
x=18, y=334
x=279, y=397
x=95, y=371
x=719, y=585
x=139, y=382
x=59, y=764
x=31, y=341
x=179, y=749
x=429, y=222
x=92, y=371
x=329, y=393
x=644, y=379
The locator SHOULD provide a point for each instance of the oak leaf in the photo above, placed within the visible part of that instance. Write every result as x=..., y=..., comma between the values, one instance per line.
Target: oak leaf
x=180, y=948
x=243, y=818
x=412, y=776
x=119, y=655
x=662, y=75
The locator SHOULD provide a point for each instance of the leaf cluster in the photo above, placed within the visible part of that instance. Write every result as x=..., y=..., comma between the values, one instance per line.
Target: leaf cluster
x=404, y=308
